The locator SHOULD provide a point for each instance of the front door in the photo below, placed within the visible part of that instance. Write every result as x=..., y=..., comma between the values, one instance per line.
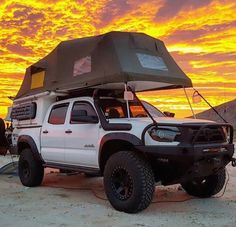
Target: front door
x=53, y=134
x=81, y=141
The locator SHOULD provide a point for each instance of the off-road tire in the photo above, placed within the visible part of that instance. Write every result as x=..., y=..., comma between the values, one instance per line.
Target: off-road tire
x=206, y=187
x=31, y=170
x=138, y=180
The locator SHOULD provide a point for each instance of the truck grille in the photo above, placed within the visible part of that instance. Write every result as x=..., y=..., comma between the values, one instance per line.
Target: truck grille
x=212, y=134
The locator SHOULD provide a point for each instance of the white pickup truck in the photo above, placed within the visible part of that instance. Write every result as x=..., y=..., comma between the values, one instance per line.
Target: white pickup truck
x=100, y=134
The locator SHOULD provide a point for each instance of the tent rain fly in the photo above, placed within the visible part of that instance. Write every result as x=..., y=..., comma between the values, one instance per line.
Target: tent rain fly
x=105, y=61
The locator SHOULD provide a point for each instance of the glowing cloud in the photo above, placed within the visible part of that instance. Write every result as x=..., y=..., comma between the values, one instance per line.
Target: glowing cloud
x=200, y=34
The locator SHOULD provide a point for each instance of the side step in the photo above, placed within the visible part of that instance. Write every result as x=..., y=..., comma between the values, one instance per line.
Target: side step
x=80, y=169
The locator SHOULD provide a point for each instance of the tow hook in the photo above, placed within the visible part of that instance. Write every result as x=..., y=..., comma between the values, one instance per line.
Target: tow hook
x=233, y=162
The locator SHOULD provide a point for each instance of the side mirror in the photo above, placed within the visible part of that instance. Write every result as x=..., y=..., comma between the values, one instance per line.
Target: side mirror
x=169, y=114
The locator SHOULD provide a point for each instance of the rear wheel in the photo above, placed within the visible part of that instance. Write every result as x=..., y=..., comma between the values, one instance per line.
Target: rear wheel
x=207, y=186
x=129, y=182
x=31, y=170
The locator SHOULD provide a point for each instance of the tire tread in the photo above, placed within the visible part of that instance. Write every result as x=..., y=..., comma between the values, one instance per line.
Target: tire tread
x=37, y=169
x=146, y=177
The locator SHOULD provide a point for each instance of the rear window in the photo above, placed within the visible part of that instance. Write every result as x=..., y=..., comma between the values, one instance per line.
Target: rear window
x=58, y=114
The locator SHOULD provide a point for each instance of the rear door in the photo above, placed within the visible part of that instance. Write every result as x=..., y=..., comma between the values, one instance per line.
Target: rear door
x=53, y=134
x=81, y=146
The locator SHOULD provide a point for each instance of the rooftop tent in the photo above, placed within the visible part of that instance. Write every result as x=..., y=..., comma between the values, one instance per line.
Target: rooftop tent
x=105, y=61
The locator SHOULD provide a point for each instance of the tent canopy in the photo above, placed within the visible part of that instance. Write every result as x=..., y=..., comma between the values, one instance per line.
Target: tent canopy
x=105, y=61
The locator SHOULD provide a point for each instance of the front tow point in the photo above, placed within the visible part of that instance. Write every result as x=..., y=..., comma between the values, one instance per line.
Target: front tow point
x=233, y=162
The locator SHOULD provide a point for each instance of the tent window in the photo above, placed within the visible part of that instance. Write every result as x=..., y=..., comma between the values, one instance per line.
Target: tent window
x=82, y=66
x=37, y=80
x=151, y=62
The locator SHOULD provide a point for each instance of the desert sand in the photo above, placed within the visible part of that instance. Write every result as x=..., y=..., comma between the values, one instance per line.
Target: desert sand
x=80, y=201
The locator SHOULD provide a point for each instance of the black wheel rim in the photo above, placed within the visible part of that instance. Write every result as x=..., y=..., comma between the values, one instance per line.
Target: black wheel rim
x=122, y=184
x=25, y=168
x=200, y=182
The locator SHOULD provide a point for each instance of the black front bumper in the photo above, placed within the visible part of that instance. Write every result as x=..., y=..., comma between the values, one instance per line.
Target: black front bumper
x=176, y=164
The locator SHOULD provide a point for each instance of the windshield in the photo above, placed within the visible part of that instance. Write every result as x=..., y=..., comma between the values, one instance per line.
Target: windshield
x=153, y=110
x=116, y=108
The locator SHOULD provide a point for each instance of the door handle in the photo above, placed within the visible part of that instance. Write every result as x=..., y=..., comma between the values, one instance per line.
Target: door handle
x=45, y=131
x=68, y=131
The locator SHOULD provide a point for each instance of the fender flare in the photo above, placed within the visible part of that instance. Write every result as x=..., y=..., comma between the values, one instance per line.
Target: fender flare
x=126, y=137
x=121, y=136
x=29, y=140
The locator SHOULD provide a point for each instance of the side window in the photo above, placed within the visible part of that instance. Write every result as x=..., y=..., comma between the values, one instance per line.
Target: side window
x=114, y=112
x=137, y=111
x=58, y=114
x=81, y=110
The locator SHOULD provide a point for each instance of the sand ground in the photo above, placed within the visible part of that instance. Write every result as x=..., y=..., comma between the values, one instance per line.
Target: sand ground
x=80, y=201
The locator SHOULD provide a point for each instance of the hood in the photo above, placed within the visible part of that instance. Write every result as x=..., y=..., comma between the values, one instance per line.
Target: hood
x=145, y=121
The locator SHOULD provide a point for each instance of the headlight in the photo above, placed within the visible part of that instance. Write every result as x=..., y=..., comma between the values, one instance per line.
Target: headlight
x=164, y=135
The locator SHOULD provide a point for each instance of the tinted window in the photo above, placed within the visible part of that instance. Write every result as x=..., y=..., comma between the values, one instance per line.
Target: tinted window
x=137, y=110
x=58, y=114
x=82, y=109
x=113, y=108
x=114, y=112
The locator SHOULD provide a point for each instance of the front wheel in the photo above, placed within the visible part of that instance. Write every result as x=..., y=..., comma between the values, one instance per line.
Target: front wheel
x=31, y=170
x=207, y=186
x=129, y=182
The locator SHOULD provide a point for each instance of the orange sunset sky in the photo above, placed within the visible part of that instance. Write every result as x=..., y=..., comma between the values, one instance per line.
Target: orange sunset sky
x=200, y=34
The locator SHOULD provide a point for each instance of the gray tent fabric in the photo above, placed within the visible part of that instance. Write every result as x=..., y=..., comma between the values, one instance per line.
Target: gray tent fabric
x=105, y=61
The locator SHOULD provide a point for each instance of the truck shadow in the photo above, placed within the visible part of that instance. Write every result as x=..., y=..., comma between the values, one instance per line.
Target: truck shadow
x=55, y=179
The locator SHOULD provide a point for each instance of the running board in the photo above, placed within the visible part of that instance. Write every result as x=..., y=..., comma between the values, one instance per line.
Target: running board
x=81, y=169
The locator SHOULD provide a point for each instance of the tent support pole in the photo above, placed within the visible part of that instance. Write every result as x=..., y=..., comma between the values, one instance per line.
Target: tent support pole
x=148, y=113
x=127, y=102
x=189, y=103
x=212, y=107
